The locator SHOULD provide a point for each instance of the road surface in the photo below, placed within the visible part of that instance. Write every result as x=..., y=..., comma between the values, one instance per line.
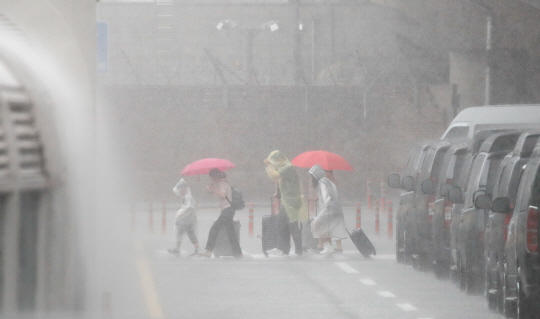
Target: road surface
x=152, y=283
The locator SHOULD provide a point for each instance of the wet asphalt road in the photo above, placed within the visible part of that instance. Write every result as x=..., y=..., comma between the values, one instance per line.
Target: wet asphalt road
x=144, y=281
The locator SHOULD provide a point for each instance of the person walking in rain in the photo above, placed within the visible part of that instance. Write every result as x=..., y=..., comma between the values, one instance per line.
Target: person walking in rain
x=281, y=171
x=221, y=188
x=330, y=222
x=186, y=218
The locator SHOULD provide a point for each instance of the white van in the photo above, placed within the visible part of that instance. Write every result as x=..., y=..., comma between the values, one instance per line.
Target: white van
x=473, y=119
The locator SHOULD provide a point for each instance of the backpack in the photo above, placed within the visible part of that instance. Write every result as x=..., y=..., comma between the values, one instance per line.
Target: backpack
x=236, y=201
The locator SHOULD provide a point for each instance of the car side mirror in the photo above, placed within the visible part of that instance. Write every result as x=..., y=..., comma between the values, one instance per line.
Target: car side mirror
x=394, y=180
x=408, y=183
x=456, y=195
x=445, y=190
x=428, y=187
x=482, y=201
x=501, y=205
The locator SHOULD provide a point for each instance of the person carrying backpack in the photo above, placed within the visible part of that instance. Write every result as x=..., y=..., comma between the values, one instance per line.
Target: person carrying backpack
x=221, y=188
x=280, y=170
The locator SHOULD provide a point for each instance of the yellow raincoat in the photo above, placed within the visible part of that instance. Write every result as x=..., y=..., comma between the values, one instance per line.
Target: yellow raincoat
x=281, y=171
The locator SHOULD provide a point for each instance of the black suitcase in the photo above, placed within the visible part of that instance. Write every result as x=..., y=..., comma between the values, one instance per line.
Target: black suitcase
x=275, y=233
x=362, y=242
x=223, y=245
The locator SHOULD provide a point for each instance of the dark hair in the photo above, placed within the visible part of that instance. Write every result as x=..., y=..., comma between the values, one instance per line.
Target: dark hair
x=314, y=182
x=216, y=173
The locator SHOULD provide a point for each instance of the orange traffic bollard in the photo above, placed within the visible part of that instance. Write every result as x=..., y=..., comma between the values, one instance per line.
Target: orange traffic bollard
x=390, y=221
x=163, y=218
x=151, y=218
x=377, y=219
x=251, y=217
x=358, y=216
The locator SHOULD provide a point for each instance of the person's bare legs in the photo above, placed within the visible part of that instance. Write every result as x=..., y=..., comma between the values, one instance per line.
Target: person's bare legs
x=339, y=246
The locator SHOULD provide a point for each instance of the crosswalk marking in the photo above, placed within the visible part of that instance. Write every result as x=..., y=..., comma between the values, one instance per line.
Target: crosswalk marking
x=346, y=268
x=368, y=281
x=386, y=294
x=406, y=307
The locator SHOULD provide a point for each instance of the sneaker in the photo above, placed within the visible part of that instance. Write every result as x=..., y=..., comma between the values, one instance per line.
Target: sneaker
x=327, y=250
x=205, y=253
x=174, y=251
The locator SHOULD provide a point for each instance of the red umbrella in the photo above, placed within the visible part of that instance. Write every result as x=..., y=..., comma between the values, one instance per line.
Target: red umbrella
x=203, y=166
x=327, y=160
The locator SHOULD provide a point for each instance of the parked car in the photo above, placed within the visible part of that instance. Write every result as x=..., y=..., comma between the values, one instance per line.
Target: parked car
x=441, y=209
x=406, y=201
x=521, y=276
x=473, y=217
x=455, y=194
x=420, y=229
x=471, y=120
x=507, y=181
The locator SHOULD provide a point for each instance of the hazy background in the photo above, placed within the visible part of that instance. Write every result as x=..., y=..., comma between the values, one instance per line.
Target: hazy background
x=365, y=79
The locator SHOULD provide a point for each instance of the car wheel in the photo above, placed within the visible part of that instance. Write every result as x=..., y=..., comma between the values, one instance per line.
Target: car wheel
x=500, y=284
x=509, y=305
x=441, y=270
x=492, y=294
x=461, y=275
x=522, y=305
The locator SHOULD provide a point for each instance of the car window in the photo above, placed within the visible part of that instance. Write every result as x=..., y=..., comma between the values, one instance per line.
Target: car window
x=411, y=160
x=462, y=175
x=457, y=132
x=426, y=164
x=528, y=146
x=491, y=170
x=524, y=190
x=535, y=191
x=420, y=159
x=501, y=182
x=438, y=162
x=504, y=143
x=474, y=178
x=515, y=178
x=450, y=167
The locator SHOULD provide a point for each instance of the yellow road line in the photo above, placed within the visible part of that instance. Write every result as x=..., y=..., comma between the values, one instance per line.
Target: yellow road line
x=148, y=285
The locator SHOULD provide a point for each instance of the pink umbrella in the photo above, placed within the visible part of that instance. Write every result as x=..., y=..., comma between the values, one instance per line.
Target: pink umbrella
x=203, y=166
x=327, y=160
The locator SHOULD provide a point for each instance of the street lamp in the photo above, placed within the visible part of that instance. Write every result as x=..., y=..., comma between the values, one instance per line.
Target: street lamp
x=250, y=33
x=226, y=24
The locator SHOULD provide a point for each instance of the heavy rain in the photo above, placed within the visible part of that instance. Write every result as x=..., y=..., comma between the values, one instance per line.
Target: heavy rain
x=269, y=159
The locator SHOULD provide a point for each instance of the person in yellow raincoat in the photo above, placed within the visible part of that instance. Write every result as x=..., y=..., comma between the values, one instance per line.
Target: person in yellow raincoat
x=281, y=171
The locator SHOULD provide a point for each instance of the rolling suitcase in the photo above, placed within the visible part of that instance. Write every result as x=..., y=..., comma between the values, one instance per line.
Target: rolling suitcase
x=223, y=245
x=362, y=242
x=275, y=230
